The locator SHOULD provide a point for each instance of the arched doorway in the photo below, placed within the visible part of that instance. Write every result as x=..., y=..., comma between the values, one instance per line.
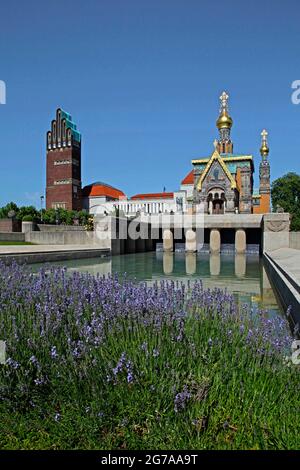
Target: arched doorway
x=216, y=202
x=218, y=206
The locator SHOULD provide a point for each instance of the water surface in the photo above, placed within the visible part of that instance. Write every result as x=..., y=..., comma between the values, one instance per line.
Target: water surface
x=243, y=275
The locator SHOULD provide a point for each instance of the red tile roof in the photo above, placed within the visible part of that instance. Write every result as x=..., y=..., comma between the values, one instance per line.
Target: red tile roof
x=189, y=179
x=154, y=196
x=102, y=189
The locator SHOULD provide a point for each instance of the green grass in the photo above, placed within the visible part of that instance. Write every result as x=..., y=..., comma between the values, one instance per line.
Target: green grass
x=16, y=243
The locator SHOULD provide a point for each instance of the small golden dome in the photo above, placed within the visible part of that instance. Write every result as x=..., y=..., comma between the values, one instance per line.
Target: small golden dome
x=264, y=150
x=224, y=121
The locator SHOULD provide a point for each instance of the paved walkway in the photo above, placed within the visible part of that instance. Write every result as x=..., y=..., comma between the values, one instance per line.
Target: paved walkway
x=288, y=260
x=283, y=268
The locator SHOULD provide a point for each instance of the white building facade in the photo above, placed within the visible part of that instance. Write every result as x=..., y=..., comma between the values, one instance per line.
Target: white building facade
x=102, y=199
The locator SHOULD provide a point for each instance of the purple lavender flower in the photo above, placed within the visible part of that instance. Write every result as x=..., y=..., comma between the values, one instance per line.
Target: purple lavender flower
x=33, y=360
x=181, y=399
x=39, y=381
x=130, y=377
x=53, y=353
x=12, y=363
x=120, y=365
x=81, y=312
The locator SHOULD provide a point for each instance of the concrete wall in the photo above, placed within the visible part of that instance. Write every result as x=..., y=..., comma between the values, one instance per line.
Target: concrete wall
x=28, y=226
x=67, y=238
x=233, y=221
x=276, y=231
x=56, y=255
x=12, y=237
x=295, y=240
x=103, y=237
x=60, y=228
x=289, y=296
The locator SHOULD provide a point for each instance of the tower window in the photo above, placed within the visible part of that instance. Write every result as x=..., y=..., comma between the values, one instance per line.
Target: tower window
x=62, y=162
x=59, y=205
x=63, y=181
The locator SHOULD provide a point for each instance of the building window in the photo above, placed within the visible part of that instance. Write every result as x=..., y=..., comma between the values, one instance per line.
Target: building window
x=62, y=162
x=59, y=205
x=57, y=182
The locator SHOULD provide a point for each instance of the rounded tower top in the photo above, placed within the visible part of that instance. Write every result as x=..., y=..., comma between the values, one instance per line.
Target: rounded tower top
x=224, y=121
x=264, y=149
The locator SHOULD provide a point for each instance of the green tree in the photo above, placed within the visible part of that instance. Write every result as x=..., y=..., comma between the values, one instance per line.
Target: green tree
x=285, y=192
x=83, y=217
x=49, y=216
x=20, y=212
x=11, y=206
x=28, y=211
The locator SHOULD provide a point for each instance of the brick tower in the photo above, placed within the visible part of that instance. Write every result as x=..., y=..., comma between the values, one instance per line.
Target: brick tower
x=264, y=174
x=63, y=188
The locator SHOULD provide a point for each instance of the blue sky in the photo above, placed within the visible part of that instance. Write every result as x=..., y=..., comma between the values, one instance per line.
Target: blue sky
x=142, y=80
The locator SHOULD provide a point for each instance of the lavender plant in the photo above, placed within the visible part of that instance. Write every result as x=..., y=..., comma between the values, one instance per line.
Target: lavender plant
x=106, y=362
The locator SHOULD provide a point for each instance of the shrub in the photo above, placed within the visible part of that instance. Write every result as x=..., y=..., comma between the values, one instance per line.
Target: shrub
x=27, y=218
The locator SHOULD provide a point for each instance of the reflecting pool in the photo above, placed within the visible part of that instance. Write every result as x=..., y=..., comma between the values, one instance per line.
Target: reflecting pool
x=243, y=275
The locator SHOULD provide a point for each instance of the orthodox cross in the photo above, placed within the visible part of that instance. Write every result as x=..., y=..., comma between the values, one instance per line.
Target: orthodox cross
x=264, y=135
x=224, y=101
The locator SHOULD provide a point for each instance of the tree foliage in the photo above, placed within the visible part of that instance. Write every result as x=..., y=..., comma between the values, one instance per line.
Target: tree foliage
x=286, y=194
x=11, y=206
x=49, y=216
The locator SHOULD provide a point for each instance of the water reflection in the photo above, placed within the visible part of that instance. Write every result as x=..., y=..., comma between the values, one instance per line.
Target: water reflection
x=190, y=263
x=240, y=265
x=268, y=297
x=168, y=263
x=215, y=264
x=243, y=275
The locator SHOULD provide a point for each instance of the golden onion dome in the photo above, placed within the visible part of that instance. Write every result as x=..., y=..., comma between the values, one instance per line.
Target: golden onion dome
x=224, y=121
x=264, y=150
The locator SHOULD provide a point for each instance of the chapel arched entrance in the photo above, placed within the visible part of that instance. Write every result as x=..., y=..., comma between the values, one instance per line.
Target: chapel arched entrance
x=216, y=202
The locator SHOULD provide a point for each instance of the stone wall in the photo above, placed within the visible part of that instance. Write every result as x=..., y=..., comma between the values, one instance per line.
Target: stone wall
x=286, y=289
x=10, y=225
x=60, y=228
x=295, y=240
x=274, y=230
x=12, y=237
x=67, y=238
x=275, y=233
